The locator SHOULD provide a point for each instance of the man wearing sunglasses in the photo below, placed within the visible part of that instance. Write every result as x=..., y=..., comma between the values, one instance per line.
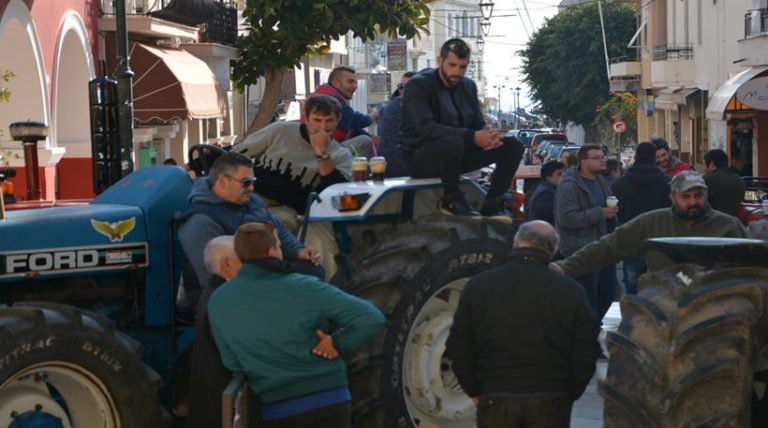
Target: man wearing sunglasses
x=219, y=204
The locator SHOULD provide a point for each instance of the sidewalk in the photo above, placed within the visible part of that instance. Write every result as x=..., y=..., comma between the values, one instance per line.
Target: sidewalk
x=588, y=410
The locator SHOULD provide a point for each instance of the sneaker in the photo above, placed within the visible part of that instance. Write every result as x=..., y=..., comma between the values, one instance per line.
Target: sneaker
x=455, y=204
x=494, y=210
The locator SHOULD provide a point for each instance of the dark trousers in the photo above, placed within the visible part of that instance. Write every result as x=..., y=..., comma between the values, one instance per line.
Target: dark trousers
x=451, y=156
x=600, y=286
x=633, y=268
x=334, y=416
x=551, y=411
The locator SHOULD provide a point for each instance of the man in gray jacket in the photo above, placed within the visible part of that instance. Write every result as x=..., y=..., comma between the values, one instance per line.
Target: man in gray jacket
x=581, y=217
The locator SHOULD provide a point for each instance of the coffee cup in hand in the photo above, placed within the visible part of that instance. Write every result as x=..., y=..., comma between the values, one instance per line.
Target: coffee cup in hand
x=612, y=202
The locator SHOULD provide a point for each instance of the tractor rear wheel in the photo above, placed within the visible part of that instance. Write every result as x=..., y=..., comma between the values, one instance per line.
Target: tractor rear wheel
x=64, y=367
x=685, y=352
x=415, y=274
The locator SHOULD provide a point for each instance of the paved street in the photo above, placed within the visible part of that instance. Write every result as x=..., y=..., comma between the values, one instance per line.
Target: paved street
x=588, y=411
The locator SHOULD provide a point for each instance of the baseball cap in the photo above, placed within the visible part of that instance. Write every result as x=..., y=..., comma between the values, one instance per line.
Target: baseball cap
x=686, y=180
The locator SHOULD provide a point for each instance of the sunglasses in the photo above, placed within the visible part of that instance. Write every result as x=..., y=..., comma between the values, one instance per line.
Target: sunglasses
x=400, y=85
x=245, y=182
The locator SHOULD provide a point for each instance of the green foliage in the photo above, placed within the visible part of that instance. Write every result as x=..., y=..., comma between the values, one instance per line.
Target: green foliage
x=5, y=96
x=620, y=106
x=564, y=62
x=281, y=32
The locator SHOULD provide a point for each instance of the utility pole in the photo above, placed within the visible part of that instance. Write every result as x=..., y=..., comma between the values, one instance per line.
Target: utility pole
x=124, y=77
x=605, y=44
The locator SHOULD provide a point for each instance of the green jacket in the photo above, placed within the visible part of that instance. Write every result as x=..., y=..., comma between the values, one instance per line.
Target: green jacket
x=626, y=241
x=264, y=322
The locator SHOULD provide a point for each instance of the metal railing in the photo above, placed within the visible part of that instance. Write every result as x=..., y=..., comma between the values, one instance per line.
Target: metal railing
x=144, y=7
x=755, y=22
x=672, y=52
x=624, y=58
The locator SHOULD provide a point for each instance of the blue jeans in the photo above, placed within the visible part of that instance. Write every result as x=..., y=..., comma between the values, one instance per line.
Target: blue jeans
x=633, y=268
x=600, y=286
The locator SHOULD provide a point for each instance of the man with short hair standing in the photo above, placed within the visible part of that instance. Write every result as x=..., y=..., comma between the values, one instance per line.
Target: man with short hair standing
x=518, y=375
x=266, y=320
x=644, y=187
x=671, y=165
x=583, y=216
x=690, y=215
x=726, y=189
x=542, y=206
x=350, y=131
x=443, y=133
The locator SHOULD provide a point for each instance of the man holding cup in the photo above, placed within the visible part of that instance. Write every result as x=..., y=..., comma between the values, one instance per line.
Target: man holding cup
x=584, y=212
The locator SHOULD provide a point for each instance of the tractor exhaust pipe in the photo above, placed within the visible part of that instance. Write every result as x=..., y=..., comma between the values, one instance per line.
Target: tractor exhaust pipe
x=29, y=133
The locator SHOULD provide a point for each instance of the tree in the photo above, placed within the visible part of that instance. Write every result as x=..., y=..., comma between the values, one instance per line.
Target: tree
x=620, y=106
x=5, y=96
x=281, y=32
x=564, y=62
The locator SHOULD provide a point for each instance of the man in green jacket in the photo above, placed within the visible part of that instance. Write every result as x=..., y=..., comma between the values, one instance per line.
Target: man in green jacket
x=266, y=322
x=689, y=216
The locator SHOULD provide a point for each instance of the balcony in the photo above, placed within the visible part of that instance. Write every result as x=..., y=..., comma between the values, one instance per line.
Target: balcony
x=673, y=66
x=625, y=74
x=753, y=48
x=216, y=20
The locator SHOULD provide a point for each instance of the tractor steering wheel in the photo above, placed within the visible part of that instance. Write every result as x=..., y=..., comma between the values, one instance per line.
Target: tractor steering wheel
x=202, y=156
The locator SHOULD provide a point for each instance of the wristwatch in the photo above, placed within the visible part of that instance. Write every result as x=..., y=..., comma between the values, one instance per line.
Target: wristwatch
x=324, y=156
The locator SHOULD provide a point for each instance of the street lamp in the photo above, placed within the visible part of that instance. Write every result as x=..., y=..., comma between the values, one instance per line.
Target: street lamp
x=480, y=44
x=486, y=27
x=499, y=88
x=486, y=9
x=517, y=107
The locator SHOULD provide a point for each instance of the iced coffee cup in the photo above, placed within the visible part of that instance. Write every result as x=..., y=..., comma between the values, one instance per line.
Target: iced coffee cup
x=378, y=168
x=612, y=201
x=359, y=169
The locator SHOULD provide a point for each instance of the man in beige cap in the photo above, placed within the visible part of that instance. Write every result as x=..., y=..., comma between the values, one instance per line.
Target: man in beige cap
x=689, y=216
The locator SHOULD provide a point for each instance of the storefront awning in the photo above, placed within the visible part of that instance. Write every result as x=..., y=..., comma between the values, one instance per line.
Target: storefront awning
x=172, y=84
x=669, y=98
x=727, y=91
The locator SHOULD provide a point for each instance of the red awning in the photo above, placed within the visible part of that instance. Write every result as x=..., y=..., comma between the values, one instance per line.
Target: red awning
x=172, y=84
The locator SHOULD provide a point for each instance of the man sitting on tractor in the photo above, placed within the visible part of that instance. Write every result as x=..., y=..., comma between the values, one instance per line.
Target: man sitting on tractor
x=294, y=159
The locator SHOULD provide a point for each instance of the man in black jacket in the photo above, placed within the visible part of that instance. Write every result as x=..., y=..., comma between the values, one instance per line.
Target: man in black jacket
x=443, y=133
x=726, y=189
x=524, y=348
x=643, y=187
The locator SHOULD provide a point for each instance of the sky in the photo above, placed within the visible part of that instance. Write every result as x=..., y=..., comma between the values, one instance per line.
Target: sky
x=507, y=36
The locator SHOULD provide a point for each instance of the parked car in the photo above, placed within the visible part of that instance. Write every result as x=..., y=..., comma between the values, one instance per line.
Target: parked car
x=524, y=135
x=538, y=139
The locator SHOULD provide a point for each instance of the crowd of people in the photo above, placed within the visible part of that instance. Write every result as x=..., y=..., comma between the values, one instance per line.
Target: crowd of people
x=263, y=308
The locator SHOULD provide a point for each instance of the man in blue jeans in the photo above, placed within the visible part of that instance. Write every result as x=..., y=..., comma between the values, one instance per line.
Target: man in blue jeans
x=266, y=320
x=582, y=216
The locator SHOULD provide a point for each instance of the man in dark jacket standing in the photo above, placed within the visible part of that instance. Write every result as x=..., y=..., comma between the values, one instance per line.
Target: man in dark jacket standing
x=543, y=199
x=726, y=189
x=643, y=187
x=443, y=133
x=518, y=375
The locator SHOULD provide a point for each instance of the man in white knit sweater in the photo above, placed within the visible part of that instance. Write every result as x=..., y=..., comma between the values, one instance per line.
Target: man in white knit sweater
x=293, y=159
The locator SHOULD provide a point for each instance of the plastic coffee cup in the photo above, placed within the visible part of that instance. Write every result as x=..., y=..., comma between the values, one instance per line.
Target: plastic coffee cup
x=612, y=201
x=359, y=169
x=378, y=168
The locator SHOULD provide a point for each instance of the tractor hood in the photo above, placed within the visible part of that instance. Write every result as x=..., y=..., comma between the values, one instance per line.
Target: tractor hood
x=70, y=239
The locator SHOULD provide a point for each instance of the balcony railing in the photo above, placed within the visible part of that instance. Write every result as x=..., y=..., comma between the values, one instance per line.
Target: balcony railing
x=755, y=22
x=672, y=52
x=217, y=19
x=625, y=58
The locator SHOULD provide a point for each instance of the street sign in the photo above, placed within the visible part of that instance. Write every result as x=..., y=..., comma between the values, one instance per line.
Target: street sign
x=619, y=127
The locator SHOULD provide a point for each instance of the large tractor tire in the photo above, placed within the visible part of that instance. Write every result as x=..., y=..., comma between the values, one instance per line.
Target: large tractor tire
x=63, y=367
x=686, y=350
x=415, y=274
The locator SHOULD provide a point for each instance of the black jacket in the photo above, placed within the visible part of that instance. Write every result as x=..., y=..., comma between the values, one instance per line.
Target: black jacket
x=209, y=377
x=726, y=191
x=523, y=329
x=643, y=187
x=543, y=203
x=433, y=111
